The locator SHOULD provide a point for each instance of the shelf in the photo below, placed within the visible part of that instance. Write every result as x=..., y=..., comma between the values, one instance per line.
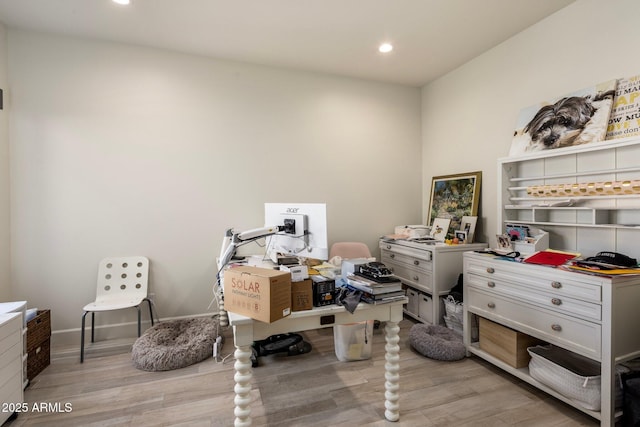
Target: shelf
x=617, y=215
x=523, y=374
x=572, y=224
x=608, y=197
x=575, y=174
x=566, y=208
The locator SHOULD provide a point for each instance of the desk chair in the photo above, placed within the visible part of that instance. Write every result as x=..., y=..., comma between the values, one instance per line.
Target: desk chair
x=122, y=283
x=349, y=250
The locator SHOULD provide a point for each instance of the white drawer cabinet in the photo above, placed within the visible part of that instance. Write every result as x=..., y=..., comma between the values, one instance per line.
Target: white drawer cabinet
x=19, y=307
x=594, y=316
x=429, y=271
x=11, y=343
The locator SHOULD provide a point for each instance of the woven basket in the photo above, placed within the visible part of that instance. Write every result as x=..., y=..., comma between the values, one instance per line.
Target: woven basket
x=38, y=329
x=572, y=375
x=38, y=359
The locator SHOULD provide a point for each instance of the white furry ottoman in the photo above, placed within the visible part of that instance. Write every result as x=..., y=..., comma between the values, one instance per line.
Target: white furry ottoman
x=436, y=342
x=175, y=344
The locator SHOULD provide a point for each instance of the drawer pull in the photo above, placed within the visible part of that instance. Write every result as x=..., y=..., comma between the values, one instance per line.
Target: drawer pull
x=556, y=301
x=490, y=270
x=415, y=278
x=491, y=305
x=392, y=256
x=388, y=246
x=556, y=285
x=416, y=262
x=556, y=327
x=491, y=284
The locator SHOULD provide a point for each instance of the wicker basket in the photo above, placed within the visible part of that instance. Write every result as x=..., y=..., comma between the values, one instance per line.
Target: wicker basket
x=38, y=329
x=572, y=375
x=38, y=359
x=38, y=343
x=454, y=317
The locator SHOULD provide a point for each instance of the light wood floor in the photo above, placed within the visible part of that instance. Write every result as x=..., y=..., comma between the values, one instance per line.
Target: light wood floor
x=314, y=389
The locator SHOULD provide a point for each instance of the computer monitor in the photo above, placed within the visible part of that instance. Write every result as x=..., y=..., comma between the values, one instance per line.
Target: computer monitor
x=305, y=230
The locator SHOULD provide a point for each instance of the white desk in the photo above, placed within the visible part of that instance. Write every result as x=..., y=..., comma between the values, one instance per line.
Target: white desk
x=247, y=330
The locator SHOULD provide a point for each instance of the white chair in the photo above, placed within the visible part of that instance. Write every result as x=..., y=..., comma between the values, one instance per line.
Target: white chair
x=122, y=283
x=349, y=250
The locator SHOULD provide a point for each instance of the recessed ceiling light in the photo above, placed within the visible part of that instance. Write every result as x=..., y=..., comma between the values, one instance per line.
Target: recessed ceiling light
x=385, y=48
x=125, y=2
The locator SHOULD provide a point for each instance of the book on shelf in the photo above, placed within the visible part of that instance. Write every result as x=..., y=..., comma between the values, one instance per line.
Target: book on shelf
x=372, y=287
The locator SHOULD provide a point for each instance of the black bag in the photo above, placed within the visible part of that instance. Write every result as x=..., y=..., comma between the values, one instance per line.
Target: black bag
x=631, y=399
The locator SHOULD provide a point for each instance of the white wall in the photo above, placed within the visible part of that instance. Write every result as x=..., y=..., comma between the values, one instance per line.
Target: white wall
x=469, y=115
x=124, y=150
x=5, y=254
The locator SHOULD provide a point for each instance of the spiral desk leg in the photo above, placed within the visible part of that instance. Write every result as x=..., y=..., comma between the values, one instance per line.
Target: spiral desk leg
x=224, y=318
x=392, y=372
x=242, y=388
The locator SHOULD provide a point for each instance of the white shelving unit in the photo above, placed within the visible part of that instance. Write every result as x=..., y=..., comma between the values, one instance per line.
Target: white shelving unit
x=11, y=351
x=594, y=316
x=592, y=223
x=19, y=307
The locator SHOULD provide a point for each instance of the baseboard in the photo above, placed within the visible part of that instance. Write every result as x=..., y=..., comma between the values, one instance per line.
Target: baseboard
x=113, y=337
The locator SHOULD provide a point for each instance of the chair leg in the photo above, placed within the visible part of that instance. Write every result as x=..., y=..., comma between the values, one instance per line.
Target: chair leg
x=150, y=309
x=139, y=320
x=93, y=322
x=84, y=315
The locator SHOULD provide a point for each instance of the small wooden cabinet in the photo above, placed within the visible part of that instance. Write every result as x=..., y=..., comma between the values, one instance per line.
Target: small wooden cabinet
x=428, y=271
x=11, y=350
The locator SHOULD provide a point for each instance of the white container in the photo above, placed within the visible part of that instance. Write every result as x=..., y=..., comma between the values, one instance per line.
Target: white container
x=352, y=341
x=572, y=375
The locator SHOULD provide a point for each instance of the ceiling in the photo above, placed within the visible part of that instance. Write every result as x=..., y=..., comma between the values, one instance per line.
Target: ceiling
x=430, y=37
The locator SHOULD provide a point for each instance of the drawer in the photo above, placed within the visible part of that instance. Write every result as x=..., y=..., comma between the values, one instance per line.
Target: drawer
x=10, y=323
x=10, y=367
x=10, y=340
x=407, y=260
x=577, y=335
x=555, y=301
x=555, y=281
x=418, y=278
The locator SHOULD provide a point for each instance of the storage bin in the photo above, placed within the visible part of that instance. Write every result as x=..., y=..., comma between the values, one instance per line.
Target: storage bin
x=38, y=359
x=572, y=375
x=353, y=341
x=38, y=329
x=505, y=344
x=38, y=343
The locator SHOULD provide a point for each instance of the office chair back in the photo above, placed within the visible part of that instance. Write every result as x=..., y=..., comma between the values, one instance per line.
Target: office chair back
x=349, y=250
x=122, y=282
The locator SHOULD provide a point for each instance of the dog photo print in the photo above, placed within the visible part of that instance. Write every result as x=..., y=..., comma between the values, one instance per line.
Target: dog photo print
x=578, y=118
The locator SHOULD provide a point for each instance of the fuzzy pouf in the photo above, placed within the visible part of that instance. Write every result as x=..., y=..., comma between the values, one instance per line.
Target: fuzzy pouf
x=436, y=342
x=175, y=344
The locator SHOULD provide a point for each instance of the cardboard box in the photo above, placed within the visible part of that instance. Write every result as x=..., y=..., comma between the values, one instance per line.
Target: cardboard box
x=260, y=293
x=506, y=344
x=302, y=295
